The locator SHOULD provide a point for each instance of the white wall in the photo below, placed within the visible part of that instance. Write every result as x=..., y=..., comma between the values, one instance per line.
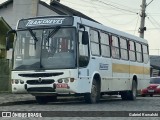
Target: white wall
x=44, y=11
x=7, y=14
x=24, y=9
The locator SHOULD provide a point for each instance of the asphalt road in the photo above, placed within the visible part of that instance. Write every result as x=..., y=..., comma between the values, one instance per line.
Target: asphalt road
x=108, y=103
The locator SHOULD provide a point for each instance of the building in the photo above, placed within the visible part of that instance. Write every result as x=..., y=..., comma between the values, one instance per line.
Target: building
x=4, y=27
x=155, y=65
x=4, y=69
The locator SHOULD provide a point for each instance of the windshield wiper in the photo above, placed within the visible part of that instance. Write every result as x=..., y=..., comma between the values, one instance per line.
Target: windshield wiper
x=34, y=37
x=53, y=32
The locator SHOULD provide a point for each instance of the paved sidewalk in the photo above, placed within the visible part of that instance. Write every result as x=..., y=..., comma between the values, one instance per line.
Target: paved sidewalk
x=8, y=98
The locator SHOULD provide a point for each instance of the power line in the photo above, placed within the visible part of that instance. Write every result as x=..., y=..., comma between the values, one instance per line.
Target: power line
x=154, y=13
x=157, y=23
x=117, y=7
x=84, y=5
x=89, y=6
x=129, y=22
x=123, y=5
x=93, y=5
x=150, y=2
x=109, y=20
x=156, y=28
x=112, y=6
x=113, y=15
x=151, y=22
x=147, y=29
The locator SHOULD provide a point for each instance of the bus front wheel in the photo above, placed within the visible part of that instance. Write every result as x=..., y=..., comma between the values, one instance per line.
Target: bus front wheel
x=94, y=96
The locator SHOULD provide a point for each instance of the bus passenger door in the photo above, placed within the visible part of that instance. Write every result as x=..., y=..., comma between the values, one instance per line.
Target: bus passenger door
x=83, y=61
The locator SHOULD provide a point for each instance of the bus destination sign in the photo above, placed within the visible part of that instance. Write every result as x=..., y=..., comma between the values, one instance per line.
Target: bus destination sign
x=46, y=21
x=52, y=21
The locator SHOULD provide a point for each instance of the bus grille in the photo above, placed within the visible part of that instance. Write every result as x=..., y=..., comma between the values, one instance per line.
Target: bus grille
x=43, y=81
x=41, y=74
x=41, y=89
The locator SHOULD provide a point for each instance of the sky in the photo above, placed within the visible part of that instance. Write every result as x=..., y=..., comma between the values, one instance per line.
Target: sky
x=122, y=15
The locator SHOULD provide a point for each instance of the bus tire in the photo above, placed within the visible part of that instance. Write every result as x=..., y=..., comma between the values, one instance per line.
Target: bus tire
x=124, y=95
x=131, y=94
x=41, y=100
x=94, y=96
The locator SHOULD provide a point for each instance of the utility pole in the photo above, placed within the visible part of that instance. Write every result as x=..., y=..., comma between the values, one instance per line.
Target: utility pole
x=142, y=15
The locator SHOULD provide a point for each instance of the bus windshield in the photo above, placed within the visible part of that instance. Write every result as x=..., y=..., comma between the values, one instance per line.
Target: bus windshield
x=45, y=49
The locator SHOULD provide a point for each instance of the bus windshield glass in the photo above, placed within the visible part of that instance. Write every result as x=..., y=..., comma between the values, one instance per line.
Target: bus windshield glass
x=45, y=49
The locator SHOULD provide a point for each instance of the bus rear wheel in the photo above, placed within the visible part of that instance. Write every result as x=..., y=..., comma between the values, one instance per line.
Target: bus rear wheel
x=132, y=94
x=94, y=96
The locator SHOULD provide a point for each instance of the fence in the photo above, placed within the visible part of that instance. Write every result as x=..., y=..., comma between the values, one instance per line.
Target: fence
x=5, y=84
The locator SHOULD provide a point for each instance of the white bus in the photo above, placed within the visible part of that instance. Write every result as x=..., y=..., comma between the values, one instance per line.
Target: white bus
x=69, y=55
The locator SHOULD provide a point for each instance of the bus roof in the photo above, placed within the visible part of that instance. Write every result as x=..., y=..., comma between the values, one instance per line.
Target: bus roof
x=68, y=20
x=111, y=30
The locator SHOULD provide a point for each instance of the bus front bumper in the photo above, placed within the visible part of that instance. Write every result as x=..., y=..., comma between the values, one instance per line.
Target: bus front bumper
x=44, y=90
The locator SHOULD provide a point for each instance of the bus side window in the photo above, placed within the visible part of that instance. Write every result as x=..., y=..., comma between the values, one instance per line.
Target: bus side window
x=94, y=37
x=124, y=49
x=115, y=47
x=145, y=54
x=132, y=55
x=105, y=47
x=83, y=52
x=139, y=52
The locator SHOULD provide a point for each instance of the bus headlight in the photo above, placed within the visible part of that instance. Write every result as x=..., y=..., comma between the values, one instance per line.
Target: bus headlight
x=21, y=81
x=16, y=81
x=65, y=80
x=60, y=80
x=72, y=79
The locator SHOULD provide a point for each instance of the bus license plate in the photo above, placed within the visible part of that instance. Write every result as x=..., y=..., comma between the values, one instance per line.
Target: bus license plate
x=61, y=85
x=151, y=91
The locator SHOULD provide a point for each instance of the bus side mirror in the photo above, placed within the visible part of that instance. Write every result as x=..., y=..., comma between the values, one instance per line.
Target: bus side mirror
x=85, y=38
x=8, y=42
x=8, y=46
